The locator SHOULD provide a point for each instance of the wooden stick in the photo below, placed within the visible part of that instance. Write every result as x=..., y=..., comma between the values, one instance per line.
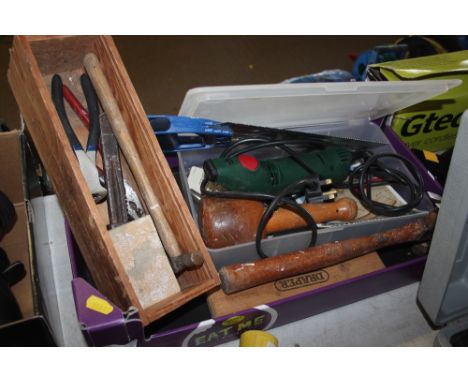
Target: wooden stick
x=237, y=277
x=179, y=260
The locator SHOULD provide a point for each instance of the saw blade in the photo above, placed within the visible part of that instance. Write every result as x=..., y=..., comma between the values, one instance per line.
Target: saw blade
x=241, y=131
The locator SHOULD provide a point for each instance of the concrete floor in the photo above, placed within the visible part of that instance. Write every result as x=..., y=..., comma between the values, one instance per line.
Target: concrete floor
x=164, y=68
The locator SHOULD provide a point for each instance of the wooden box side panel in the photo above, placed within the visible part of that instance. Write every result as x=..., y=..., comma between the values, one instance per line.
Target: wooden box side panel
x=34, y=99
x=156, y=166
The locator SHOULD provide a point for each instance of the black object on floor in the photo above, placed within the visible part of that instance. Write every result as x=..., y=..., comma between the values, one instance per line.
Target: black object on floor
x=29, y=332
x=7, y=215
x=10, y=274
x=9, y=309
x=460, y=339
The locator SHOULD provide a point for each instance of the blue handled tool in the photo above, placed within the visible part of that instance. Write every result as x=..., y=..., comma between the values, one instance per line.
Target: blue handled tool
x=177, y=133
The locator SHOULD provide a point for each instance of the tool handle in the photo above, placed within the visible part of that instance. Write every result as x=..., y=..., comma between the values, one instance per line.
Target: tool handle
x=128, y=148
x=344, y=209
x=237, y=277
x=75, y=104
x=93, y=113
x=88, y=167
x=57, y=99
x=176, y=124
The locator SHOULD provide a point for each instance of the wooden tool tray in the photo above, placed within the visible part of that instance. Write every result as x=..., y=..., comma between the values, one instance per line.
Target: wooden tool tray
x=33, y=61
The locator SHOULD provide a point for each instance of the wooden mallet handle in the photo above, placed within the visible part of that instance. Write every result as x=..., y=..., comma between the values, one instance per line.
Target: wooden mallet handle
x=225, y=222
x=237, y=277
x=178, y=259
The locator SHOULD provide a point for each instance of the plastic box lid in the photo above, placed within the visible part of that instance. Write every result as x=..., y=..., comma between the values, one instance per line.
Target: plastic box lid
x=294, y=105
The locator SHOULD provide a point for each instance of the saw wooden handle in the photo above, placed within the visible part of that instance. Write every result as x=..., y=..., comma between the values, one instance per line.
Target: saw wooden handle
x=226, y=222
x=237, y=277
x=128, y=148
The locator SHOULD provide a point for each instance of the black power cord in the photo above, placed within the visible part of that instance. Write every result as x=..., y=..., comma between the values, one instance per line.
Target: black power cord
x=360, y=184
x=275, y=201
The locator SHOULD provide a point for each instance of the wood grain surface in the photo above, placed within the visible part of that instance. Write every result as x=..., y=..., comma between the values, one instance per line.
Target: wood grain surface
x=221, y=304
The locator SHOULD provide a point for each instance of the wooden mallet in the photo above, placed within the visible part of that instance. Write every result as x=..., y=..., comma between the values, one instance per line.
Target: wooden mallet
x=225, y=222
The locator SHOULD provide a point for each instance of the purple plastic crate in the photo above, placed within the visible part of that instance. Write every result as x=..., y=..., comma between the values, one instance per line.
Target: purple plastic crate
x=122, y=328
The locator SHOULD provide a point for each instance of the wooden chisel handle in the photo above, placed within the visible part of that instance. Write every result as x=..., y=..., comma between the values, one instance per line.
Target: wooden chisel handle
x=226, y=222
x=128, y=148
x=237, y=277
x=343, y=209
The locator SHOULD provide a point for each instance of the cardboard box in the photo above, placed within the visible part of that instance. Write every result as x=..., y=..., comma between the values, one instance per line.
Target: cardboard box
x=432, y=124
x=33, y=62
x=196, y=325
x=337, y=109
x=16, y=242
x=33, y=328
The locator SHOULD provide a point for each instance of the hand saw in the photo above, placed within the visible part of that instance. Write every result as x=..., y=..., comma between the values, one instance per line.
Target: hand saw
x=181, y=133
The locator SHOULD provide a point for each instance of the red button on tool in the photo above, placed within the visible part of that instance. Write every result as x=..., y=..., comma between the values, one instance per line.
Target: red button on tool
x=248, y=161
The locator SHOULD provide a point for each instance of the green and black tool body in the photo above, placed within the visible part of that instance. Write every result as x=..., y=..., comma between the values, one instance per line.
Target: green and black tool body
x=248, y=174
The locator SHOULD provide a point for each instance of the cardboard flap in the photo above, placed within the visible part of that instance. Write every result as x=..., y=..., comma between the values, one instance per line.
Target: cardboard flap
x=294, y=105
x=10, y=169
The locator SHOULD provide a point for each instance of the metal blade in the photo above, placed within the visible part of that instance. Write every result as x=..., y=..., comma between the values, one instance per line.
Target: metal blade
x=246, y=131
x=116, y=201
x=135, y=209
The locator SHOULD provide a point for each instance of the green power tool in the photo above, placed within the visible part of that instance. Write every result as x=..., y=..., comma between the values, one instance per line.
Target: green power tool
x=248, y=174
